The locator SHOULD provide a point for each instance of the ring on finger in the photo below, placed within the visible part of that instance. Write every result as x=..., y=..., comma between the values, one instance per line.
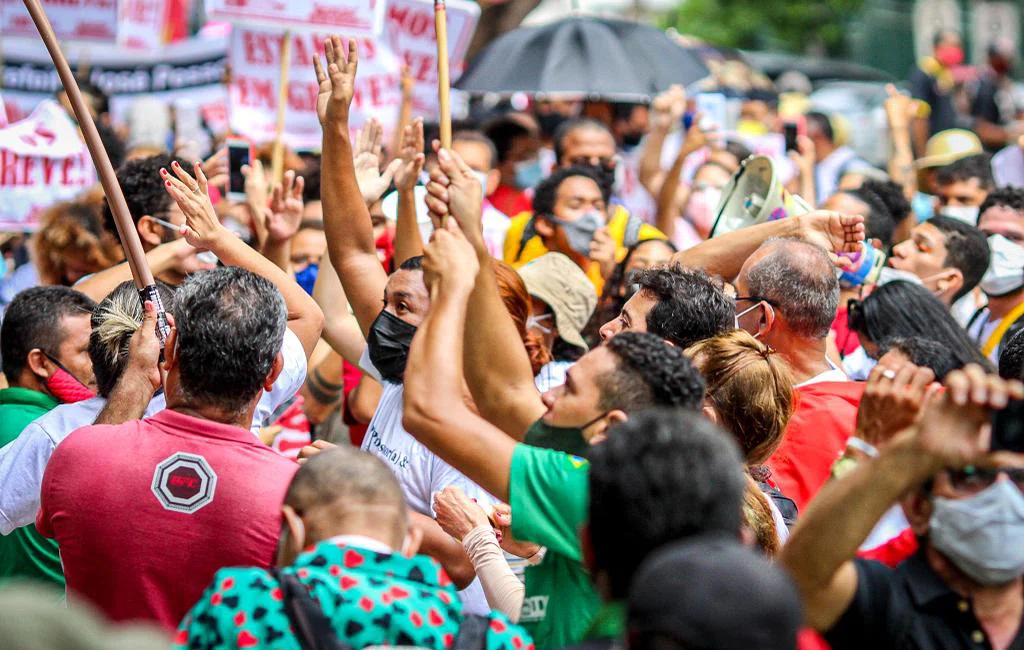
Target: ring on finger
x=888, y=373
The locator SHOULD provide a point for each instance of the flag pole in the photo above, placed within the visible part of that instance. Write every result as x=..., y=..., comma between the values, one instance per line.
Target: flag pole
x=126, y=231
x=443, y=84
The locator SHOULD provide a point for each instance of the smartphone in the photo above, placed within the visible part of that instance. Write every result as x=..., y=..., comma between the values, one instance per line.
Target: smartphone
x=239, y=155
x=791, y=131
x=1008, y=428
x=713, y=111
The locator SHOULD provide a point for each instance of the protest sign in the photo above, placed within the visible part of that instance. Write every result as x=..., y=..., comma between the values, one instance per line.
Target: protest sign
x=190, y=69
x=349, y=17
x=255, y=56
x=42, y=161
x=143, y=23
x=78, y=20
x=409, y=31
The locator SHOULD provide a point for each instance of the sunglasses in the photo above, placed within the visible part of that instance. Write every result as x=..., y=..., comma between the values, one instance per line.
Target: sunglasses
x=971, y=479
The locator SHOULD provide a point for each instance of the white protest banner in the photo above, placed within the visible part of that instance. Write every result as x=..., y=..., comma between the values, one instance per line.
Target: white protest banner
x=255, y=70
x=42, y=161
x=409, y=30
x=78, y=20
x=357, y=18
x=143, y=23
x=191, y=69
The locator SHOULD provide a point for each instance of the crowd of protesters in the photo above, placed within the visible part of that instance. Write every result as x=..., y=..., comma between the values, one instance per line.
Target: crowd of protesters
x=481, y=397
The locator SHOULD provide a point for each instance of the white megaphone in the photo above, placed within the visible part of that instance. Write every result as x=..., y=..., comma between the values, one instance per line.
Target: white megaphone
x=755, y=195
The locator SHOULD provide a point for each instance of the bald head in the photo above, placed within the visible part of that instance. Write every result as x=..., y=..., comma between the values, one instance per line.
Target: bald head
x=345, y=491
x=798, y=279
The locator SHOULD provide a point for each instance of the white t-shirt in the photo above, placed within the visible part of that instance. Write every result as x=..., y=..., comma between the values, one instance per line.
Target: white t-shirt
x=23, y=460
x=420, y=473
x=495, y=226
x=980, y=331
x=835, y=374
x=551, y=375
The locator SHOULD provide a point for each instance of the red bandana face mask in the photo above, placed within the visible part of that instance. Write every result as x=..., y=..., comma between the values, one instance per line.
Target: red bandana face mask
x=65, y=387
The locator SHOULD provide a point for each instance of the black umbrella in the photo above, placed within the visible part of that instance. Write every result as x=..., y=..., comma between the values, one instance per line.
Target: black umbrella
x=590, y=57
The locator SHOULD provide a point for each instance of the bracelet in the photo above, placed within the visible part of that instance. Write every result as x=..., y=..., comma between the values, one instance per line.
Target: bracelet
x=862, y=446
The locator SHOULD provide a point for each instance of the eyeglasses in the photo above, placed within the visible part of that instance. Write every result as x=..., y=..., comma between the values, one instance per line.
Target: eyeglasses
x=755, y=299
x=971, y=479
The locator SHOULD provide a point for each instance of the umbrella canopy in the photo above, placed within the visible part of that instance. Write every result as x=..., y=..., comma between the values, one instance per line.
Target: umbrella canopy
x=581, y=56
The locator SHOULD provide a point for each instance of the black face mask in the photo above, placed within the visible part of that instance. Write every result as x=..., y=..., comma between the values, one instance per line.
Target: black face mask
x=631, y=140
x=549, y=123
x=388, y=342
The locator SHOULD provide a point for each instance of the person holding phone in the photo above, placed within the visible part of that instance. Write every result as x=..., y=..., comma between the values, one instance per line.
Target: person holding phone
x=960, y=483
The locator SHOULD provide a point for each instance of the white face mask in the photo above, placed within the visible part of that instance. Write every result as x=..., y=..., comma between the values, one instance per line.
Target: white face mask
x=482, y=177
x=966, y=213
x=744, y=312
x=1006, y=268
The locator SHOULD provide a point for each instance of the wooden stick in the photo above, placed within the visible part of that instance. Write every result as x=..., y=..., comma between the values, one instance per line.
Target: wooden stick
x=277, y=159
x=443, y=84
x=108, y=179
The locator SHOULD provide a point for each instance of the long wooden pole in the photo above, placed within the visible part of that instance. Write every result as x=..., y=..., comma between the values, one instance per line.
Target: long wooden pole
x=277, y=158
x=122, y=217
x=443, y=83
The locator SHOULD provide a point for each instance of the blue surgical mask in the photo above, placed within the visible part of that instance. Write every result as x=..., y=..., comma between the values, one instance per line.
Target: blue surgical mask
x=306, y=278
x=529, y=173
x=581, y=231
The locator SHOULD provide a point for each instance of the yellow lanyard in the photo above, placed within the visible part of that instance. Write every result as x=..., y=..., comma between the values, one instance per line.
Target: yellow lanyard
x=997, y=335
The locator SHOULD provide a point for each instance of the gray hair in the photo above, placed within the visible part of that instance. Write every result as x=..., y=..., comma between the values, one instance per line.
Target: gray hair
x=114, y=321
x=230, y=325
x=799, y=279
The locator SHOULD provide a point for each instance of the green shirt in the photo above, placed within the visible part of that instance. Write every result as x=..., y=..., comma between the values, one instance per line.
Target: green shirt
x=549, y=493
x=25, y=553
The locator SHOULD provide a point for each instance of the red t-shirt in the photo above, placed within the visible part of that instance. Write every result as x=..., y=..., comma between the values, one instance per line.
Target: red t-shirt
x=824, y=418
x=146, y=512
x=846, y=339
x=510, y=200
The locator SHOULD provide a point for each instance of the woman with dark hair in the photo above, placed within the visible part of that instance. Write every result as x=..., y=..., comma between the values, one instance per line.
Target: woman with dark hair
x=903, y=309
x=618, y=289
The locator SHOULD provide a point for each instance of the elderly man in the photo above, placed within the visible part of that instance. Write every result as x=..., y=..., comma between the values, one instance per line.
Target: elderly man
x=195, y=490
x=347, y=538
x=787, y=295
x=959, y=482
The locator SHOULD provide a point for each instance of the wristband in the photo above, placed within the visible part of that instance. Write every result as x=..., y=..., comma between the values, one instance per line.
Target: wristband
x=862, y=446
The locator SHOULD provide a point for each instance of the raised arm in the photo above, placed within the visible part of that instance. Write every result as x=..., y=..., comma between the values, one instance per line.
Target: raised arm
x=283, y=220
x=668, y=206
x=435, y=413
x=350, y=242
x=341, y=330
x=408, y=241
x=900, y=113
x=177, y=254
x=497, y=365
x=724, y=255
x=666, y=110
x=820, y=551
x=202, y=229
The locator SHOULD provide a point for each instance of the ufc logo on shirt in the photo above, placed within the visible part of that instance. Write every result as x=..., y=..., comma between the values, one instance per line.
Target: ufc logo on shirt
x=184, y=483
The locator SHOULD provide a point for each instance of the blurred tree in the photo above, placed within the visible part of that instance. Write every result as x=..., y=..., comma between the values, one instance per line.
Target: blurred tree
x=792, y=25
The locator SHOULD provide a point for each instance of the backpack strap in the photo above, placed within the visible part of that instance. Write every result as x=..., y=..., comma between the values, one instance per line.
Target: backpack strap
x=313, y=630
x=472, y=633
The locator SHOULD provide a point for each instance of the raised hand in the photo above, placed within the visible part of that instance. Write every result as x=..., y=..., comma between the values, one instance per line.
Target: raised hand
x=449, y=260
x=202, y=228
x=337, y=83
x=454, y=190
x=366, y=158
x=954, y=429
x=893, y=400
x=457, y=514
x=216, y=168
x=900, y=109
x=833, y=231
x=411, y=156
x=804, y=157
x=407, y=84
x=285, y=209
x=668, y=108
